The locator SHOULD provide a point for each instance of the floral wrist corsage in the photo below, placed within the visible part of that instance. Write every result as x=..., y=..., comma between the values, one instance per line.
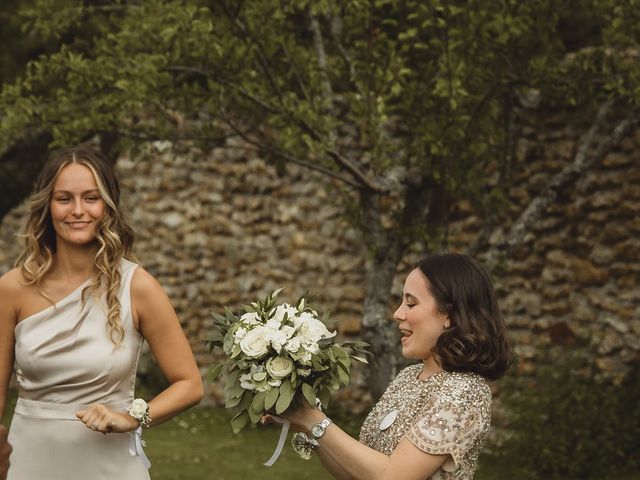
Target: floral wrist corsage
x=139, y=409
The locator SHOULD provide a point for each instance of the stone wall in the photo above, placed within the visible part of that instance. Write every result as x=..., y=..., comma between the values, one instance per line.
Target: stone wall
x=576, y=278
x=221, y=228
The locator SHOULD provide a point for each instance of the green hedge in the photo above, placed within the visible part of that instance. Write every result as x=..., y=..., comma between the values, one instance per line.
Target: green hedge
x=571, y=422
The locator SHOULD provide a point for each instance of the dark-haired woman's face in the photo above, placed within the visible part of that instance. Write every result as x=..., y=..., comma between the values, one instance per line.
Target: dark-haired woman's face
x=418, y=318
x=76, y=205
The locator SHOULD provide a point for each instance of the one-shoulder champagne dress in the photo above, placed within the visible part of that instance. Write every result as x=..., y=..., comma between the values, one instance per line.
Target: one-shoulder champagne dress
x=65, y=361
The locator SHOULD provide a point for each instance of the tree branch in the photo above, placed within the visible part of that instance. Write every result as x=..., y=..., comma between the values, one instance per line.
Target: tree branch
x=339, y=159
x=336, y=34
x=288, y=157
x=257, y=100
x=318, y=42
x=586, y=156
x=150, y=137
x=261, y=57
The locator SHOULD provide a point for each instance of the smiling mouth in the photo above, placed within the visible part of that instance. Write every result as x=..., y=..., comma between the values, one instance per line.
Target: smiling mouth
x=77, y=224
x=405, y=333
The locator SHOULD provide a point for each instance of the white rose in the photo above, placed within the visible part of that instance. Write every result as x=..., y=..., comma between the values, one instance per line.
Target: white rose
x=250, y=318
x=138, y=408
x=246, y=382
x=279, y=367
x=310, y=329
x=292, y=345
x=275, y=382
x=255, y=343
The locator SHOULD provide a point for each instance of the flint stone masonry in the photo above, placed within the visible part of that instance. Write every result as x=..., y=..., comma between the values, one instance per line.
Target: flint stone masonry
x=222, y=228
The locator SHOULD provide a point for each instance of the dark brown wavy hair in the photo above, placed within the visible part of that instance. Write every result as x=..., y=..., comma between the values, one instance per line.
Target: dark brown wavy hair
x=113, y=234
x=477, y=339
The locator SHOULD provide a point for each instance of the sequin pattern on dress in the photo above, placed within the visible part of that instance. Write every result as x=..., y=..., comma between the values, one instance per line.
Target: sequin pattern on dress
x=448, y=413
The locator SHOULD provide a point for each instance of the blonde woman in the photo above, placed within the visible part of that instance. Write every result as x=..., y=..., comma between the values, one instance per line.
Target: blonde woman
x=73, y=315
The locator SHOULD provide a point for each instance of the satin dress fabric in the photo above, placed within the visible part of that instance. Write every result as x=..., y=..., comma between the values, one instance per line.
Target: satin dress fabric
x=65, y=361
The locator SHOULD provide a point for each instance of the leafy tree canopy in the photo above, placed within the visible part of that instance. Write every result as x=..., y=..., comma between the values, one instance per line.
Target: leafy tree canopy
x=405, y=102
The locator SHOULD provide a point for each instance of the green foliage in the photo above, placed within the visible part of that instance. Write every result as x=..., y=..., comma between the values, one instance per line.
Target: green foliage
x=409, y=99
x=570, y=422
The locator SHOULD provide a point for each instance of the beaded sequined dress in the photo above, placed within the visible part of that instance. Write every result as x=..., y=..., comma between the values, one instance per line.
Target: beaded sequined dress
x=448, y=413
x=65, y=361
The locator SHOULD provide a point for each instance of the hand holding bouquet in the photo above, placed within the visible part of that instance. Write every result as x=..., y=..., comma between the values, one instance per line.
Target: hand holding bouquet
x=276, y=356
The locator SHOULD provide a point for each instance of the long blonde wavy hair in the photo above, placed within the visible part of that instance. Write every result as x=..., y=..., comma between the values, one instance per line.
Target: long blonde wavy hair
x=113, y=234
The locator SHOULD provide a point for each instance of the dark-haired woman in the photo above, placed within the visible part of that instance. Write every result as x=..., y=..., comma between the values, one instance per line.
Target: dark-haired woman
x=73, y=315
x=433, y=419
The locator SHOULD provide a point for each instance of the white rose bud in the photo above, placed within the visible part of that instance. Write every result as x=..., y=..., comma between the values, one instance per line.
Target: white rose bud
x=279, y=367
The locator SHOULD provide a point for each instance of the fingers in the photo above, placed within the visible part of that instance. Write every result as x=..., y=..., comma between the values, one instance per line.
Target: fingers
x=97, y=418
x=266, y=419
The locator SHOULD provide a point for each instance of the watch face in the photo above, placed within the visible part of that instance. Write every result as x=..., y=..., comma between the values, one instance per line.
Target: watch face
x=317, y=431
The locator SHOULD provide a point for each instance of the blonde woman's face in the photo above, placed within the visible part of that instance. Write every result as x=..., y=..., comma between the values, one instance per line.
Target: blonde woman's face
x=76, y=205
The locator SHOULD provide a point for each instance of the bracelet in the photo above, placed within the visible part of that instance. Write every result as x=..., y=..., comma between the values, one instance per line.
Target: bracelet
x=139, y=409
x=303, y=445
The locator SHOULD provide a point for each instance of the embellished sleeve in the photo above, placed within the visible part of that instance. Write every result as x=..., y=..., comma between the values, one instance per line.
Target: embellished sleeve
x=454, y=423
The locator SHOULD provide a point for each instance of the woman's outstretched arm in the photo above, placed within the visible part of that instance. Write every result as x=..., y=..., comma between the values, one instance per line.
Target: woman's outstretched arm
x=346, y=458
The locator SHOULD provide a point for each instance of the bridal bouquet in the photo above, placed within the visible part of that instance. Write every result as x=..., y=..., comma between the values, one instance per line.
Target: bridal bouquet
x=276, y=356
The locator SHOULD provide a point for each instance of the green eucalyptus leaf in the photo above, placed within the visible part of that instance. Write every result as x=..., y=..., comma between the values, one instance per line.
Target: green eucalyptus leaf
x=214, y=371
x=254, y=416
x=239, y=421
x=271, y=398
x=247, y=398
x=309, y=394
x=284, y=400
x=258, y=402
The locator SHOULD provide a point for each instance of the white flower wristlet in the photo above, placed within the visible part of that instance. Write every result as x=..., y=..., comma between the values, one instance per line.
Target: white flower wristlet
x=139, y=409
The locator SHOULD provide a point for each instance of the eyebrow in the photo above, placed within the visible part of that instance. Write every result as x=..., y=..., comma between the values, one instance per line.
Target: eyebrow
x=410, y=296
x=93, y=190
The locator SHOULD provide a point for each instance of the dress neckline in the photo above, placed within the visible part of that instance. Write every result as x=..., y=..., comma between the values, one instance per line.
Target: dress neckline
x=57, y=303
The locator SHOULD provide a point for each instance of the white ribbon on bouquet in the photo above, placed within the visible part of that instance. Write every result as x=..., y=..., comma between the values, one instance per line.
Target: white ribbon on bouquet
x=283, y=438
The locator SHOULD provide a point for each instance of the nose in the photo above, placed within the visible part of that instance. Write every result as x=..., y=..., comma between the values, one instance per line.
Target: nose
x=398, y=315
x=77, y=209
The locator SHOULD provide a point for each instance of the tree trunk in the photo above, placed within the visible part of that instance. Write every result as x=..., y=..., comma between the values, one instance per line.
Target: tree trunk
x=384, y=251
x=379, y=329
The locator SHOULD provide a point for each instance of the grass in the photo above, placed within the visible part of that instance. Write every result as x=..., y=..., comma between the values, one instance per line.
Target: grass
x=199, y=444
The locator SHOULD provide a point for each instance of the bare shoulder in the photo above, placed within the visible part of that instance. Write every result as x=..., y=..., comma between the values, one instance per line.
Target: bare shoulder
x=12, y=283
x=12, y=290
x=144, y=285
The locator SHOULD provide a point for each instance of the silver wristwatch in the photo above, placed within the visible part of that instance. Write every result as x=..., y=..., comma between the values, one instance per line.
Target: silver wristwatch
x=317, y=431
